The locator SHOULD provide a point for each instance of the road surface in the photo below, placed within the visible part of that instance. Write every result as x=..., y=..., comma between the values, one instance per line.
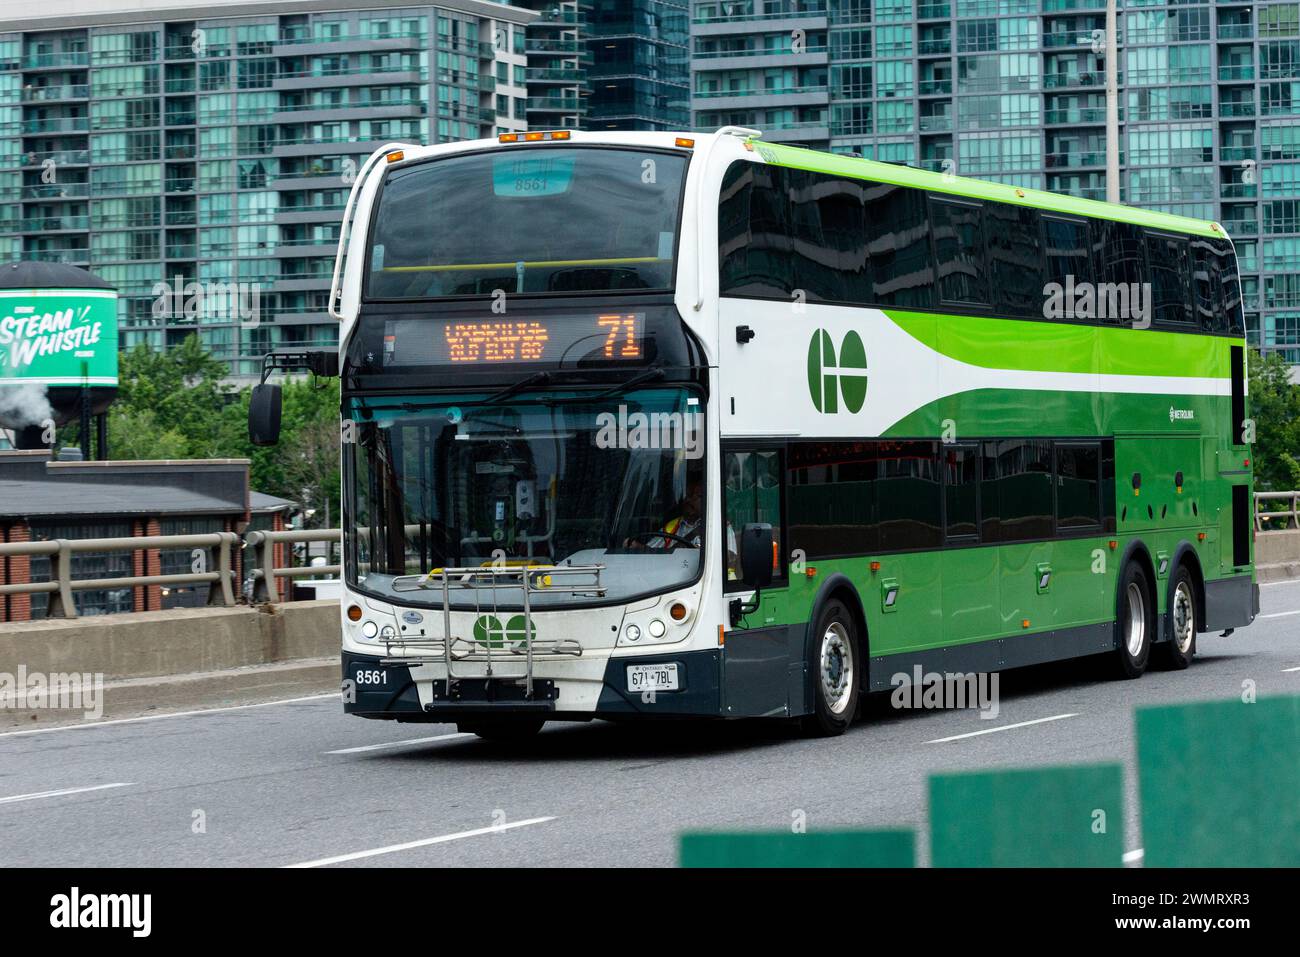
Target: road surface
x=300, y=783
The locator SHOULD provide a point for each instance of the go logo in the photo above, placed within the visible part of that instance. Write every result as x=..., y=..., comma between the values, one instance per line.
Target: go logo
x=489, y=631
x=830, y=379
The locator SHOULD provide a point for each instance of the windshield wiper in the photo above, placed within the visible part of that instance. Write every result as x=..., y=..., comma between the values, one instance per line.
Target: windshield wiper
x=649, y=375
x=537, y=378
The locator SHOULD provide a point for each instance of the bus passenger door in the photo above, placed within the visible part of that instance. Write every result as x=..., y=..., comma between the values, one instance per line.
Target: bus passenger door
x=762, y=661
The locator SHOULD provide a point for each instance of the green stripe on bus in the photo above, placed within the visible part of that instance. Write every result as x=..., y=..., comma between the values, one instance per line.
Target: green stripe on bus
x=798, y=158
x=1066, y=347
x=1050, y=817
x=883, y=848
x=1219, y=783
x=1023, y=412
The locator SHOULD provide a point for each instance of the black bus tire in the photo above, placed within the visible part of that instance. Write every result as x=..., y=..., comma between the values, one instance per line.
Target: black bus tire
x=1135, y=622
x=1180, y=622
x=837, y=668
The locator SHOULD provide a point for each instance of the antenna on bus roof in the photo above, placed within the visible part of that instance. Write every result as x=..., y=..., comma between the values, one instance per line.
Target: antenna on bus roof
x=742, y=131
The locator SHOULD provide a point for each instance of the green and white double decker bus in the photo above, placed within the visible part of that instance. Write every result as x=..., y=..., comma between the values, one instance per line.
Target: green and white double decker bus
x=649, y=425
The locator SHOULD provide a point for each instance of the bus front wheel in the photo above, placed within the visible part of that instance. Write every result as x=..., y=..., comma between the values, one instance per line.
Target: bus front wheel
x=1135, y=622
x=837, y=669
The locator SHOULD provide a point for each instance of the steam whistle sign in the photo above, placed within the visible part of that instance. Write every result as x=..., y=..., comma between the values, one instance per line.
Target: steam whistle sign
x=50, y=336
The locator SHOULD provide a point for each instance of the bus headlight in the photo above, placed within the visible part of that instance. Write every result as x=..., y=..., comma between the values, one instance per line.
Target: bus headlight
x=657, y=628
x=632, y=633
x=369, y=629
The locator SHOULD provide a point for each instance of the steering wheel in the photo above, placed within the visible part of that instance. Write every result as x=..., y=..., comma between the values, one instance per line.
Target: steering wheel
x=675, y=537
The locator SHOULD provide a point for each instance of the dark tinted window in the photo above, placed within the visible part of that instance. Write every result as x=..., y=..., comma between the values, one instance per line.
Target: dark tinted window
x=1108, y=485
x=898, y=240
x=959, y=252
x=1205, y=285
x=1230, y=289
x=1120, y=261
x=961, y=479
x=1171, y=294
x=907, y=496
x=754, y=238
x=1065, y=247
x=1078, y=489
x=828, y=236
x=1020, y=476
x=1015, y=260
x=455, y=226
x=832, y=498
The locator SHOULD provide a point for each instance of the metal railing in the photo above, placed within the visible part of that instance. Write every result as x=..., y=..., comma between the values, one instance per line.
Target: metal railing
x=217, y=566
x=1286, y=517
x=217, y=547
x=265, y=587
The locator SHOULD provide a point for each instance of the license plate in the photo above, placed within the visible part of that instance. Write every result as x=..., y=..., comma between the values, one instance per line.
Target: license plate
x=652, y=677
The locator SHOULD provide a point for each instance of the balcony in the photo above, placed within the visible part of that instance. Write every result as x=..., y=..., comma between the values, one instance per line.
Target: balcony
x=936, y=124
x=60, y=124
x=1237, y=109
x=1236, y=31
x=1237, y=154
x=935, y=88
x=54, y=224
x=53, y=94
x=79, y=255
x=47, y=61
x=1085, y=116
x=57, y=191
x=1076, y=159
x=1236, y=74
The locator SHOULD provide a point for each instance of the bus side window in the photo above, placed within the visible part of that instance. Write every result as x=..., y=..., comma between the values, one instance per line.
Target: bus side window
x=751, y=493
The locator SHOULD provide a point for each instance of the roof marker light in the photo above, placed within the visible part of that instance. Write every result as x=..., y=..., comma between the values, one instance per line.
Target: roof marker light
x=508, y=138
x=396, y=156
x=684, y=143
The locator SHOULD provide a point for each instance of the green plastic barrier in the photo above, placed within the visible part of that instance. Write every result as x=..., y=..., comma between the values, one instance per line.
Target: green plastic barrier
x=1042, y=817
x=884, y=848
x=1220, y=783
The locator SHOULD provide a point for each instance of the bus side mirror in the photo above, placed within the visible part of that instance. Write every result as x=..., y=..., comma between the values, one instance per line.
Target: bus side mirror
x=756, y=555
x=264, y=414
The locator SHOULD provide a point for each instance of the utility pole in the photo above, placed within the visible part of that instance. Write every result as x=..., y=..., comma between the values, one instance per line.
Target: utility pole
x=1112, y=101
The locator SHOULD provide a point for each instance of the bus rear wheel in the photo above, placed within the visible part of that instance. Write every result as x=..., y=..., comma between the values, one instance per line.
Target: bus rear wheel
x=1135, y=622
x=837, y=669
x=1177, y=653
x=502, y=728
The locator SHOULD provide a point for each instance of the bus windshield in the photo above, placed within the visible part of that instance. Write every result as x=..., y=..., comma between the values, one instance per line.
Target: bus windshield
x=528, y=220
x=455, y=482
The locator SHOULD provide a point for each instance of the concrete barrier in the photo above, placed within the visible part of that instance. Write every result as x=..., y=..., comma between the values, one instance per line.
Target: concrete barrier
x=180, y=658
x=1277, y=555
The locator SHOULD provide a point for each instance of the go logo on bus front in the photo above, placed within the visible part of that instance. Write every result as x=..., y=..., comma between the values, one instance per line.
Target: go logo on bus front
x=831, y=378
x=489, y=630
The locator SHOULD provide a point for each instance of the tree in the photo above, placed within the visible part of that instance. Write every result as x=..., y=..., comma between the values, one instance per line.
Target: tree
x=178, y=404
x=1275, y=409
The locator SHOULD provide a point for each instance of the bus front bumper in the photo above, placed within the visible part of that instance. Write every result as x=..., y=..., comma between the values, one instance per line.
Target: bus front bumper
x=372, y=689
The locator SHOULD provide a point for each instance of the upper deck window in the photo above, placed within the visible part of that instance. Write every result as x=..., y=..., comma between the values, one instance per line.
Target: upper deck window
x=524, y=220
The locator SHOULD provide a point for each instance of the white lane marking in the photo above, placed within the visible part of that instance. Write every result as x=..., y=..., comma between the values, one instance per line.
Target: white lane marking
x=1291, y=581
x=14, y=799
x=160, y=717
x=425, y=842
x=1287, y=671
x=410, y=742
x=1001, y=727
x=1282, y=614
x=1131, y=856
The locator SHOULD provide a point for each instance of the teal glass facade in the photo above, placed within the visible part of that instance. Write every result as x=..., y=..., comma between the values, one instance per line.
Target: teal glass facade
x=1014, y=91
x=195, y=164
